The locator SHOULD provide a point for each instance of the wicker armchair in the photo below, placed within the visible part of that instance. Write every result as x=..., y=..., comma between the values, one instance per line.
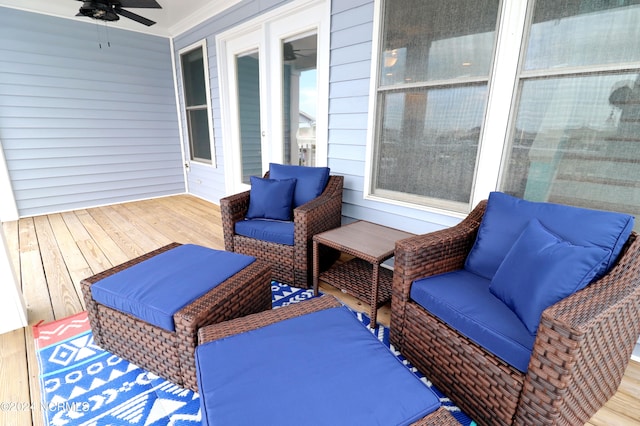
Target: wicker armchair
x=289, y=264
x=582, y=348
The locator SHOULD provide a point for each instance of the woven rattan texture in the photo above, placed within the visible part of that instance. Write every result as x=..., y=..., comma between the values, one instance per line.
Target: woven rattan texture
x=355, y=276
x=171, y=354
x=289, y=264
x=440, y=417
x=581, y=351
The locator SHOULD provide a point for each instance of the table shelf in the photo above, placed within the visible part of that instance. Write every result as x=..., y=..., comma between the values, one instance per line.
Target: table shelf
x=354, y=277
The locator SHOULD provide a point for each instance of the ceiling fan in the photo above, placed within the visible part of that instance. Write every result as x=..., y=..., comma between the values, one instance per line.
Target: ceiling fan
x=291, y=54
x=108, y=10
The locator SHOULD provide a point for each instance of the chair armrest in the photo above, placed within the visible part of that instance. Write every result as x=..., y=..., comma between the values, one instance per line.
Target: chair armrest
x=320, y=214
x=584, y=344
x=435, y=252
x=232, y=209
x=426, y=255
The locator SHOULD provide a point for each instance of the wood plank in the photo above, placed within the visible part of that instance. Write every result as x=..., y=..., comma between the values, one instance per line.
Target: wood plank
x=142, y=226
x=102, y=239
x=141, y=239
x=608, y=417
x=14, y=383
x=33, y=281
x=93, y=255
x=122, y=240
x=76, y=265
x=38, y=302
x=625, y=405
x=158, y=220
x=196, y=228
x=64, y=297
x=37, y=417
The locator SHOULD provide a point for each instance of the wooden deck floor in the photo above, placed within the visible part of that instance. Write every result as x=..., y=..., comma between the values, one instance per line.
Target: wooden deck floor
x=52, y=253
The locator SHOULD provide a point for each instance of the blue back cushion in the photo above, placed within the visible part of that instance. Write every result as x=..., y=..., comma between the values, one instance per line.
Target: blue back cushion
x=330, y=357
x=463, y=301
x=542, y=269
x=157, y=288
x=311, y=181
x=267, y=230
x=271, y=198
x=506, y=217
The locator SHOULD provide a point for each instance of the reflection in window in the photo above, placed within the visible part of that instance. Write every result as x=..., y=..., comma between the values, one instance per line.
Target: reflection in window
x=434, y=69
x=576, y=136
x=300, y=99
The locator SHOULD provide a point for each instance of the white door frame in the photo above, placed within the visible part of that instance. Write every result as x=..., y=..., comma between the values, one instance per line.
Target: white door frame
x=272, y=28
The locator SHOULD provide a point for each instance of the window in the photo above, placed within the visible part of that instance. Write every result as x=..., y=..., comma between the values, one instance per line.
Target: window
x=435, y=62
x=575, y=138
x=197, y=103
x=572, y=134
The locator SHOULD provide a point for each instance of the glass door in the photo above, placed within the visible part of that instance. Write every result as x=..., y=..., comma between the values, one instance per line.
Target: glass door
x=274, y=92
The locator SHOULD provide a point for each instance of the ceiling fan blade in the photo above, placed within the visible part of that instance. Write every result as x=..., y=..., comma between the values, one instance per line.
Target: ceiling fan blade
x=143, y=4
x=122, y=12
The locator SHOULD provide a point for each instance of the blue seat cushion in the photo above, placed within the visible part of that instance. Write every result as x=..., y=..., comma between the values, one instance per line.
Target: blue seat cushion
x=330, y=358
x=542, y=269
x=506, y=217
x=462, y=300
x=280, y=232
x=271, y=198
x=157, y=288
x=310, y=181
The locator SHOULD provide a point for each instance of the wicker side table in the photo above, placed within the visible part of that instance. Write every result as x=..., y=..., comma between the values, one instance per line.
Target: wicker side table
x=362, y=277
x=167, y=354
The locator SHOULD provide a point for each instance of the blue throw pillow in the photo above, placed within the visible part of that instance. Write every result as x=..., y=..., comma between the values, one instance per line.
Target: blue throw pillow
x=311, y=181
x=271, y=198
x=507, y=216
x=542, y=269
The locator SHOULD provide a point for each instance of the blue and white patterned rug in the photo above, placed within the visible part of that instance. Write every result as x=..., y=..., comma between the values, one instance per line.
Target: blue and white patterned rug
x=82, y=384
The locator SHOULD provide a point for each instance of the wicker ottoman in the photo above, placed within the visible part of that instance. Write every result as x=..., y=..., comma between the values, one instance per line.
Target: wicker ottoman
x=164, y=341
x=316, y=349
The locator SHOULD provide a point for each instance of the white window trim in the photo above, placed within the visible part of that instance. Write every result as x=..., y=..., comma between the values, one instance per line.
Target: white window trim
x=502, y=85
x=202, y=44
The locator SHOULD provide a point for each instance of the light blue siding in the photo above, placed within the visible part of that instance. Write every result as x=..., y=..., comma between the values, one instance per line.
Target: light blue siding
x=81, y=123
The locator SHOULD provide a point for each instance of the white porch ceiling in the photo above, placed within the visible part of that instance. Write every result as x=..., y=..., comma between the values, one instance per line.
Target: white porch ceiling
x=175, y=17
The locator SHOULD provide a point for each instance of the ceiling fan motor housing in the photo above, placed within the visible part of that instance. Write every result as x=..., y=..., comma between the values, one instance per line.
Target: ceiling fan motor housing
x=99, y=10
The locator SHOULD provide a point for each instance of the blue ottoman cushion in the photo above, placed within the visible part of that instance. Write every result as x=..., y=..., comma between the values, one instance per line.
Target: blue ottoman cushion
x=329, y=357
x=155, y=289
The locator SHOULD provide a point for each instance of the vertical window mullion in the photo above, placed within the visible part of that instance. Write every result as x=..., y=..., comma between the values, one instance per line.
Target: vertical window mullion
x=502, y=87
